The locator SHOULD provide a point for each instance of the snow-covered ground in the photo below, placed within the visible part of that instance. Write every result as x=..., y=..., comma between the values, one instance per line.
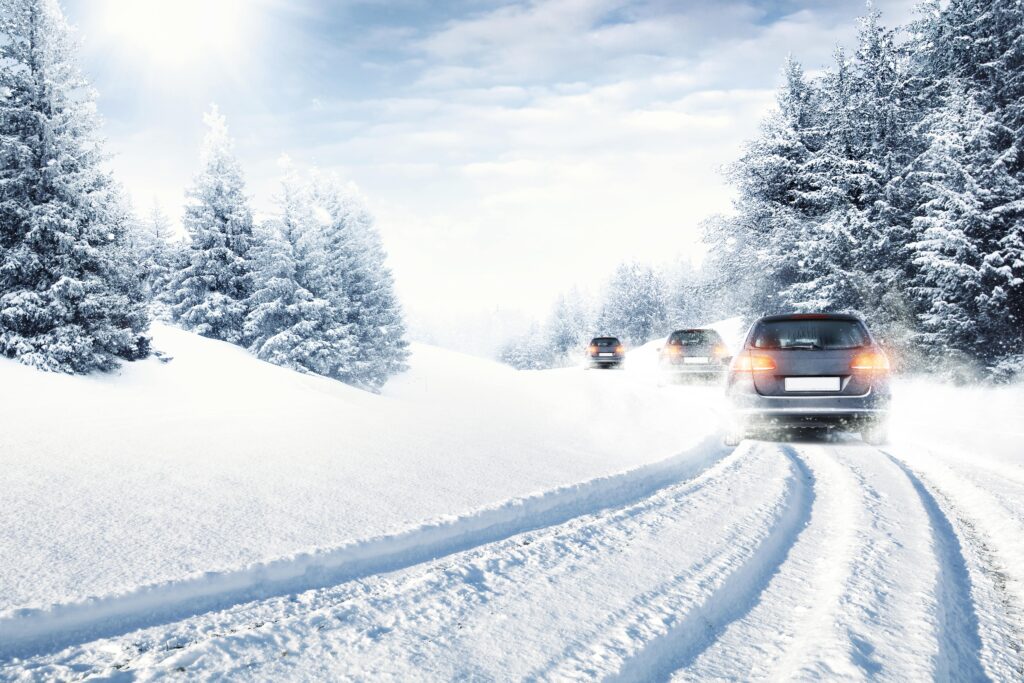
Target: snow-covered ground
x=196, y=483
x=220, y=517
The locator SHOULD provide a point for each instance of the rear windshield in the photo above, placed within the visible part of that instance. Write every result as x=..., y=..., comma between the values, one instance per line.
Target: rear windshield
x=810, y=334
x=605, y=341
x=693, y=338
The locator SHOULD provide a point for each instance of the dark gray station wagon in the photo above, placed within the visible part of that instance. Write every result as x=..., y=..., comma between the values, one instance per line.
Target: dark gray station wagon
x=693, y=353
x=809, y=371
x=605, y=352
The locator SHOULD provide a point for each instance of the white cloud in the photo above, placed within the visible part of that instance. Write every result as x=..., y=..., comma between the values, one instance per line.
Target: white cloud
x=532, y=146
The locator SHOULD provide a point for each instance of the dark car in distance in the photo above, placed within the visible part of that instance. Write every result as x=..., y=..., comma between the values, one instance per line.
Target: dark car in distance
x=605, y=352
x=693, y=353
x=809, y=371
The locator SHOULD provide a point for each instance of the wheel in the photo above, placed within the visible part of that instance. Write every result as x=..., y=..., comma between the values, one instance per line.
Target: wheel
x=735, y=433
x=875, y=434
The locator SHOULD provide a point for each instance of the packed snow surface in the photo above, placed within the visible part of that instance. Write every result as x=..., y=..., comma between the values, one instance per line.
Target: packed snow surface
x=218, y=517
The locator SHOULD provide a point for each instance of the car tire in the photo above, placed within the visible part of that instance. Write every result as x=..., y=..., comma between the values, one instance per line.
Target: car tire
x=734, y=434
x=875, y=434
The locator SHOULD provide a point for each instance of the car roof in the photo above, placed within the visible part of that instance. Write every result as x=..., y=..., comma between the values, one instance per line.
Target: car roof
x=694, y=329
x=809, y=316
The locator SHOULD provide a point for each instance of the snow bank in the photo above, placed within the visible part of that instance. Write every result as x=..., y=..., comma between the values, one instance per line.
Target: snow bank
x=217, y=470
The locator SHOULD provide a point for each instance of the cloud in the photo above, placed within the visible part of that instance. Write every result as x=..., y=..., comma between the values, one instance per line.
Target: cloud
x=510, y=151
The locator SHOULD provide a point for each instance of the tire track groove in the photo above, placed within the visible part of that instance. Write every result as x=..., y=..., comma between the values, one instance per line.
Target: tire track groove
x=960, y=644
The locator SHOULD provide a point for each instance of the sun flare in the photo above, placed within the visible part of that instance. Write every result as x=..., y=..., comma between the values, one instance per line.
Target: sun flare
x=175, y=33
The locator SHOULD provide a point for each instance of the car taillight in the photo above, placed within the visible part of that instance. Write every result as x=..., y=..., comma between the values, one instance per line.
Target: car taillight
x=620, y=349
x=593, y=350
x=721, y=352
x=870, y=361
x=674, y=350
x=752, y=362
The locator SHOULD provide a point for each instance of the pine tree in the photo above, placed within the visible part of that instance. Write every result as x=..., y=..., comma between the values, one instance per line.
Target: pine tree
x=359, y=283
x=291, y=322
x=782, y=197
x=69, y=300
x=210, y=294
x=567, y=328
x=978, y=46
x=528, y=351
x=948, y=255
x=155, y=247
x=634, y=304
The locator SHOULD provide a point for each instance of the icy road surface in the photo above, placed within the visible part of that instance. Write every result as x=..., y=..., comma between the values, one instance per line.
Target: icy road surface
x=812, y=559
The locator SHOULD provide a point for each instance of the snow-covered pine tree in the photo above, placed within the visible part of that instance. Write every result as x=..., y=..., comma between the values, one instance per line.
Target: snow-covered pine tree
x=781, y=196
x=823, y=208
x=978, y=46
x=633, y=305
x=956, y=229
x=155, y=248
x=889, y=104
x=68, y=295
x=527, y=351
x=568, y=327
x=359, y=283
x=291, y=323
x=685, y=304
x=210, y=294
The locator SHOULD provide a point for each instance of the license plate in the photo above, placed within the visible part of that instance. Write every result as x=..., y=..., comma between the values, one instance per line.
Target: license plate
x=812, y=384
x=606, y=354
x=702, y=360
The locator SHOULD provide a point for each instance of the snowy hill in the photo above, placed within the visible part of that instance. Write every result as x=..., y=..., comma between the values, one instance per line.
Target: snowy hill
x=216, y=461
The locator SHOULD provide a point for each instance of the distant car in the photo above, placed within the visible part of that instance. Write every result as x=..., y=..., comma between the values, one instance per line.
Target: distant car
x=694, y=353
x=605, y=352
x=810, y=371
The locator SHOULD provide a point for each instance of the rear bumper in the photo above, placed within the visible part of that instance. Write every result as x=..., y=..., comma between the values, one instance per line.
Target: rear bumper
x=754, y=409
x=841, y=418
x=694, y=369
x=597, y=361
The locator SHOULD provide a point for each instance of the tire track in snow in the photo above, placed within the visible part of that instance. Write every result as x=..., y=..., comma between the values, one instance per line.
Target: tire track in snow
x=795, y=619
x=664, y=629
x=983, y=548
x=28, y=632
x=858, y=594
x=960, y=641
x=442, y=615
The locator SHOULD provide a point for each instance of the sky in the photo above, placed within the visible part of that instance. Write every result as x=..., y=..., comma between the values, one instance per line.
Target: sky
x=509, y=150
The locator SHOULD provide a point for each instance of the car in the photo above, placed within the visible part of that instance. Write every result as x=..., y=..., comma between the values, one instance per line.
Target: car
x=690, y=353
x=816, y=371
x=605, y=352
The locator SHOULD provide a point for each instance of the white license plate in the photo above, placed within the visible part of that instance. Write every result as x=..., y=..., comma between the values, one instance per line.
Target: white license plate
x=607, y=354
x=812, y=384
x=696, y=359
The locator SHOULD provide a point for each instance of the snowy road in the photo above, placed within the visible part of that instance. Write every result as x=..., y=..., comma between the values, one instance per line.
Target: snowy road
x=814, y=559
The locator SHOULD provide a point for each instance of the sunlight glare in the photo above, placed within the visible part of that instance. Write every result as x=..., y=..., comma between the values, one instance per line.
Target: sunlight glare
x=174, y=33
